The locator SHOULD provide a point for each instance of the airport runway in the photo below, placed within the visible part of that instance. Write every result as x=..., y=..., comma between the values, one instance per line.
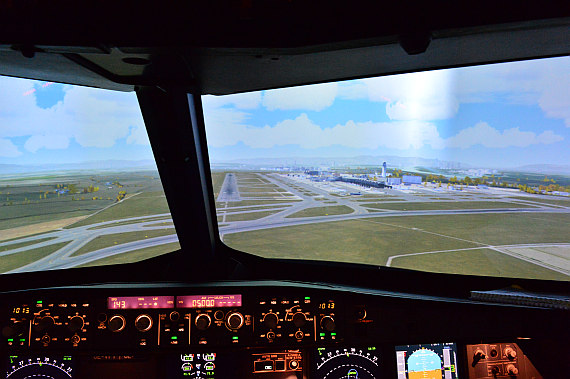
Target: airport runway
x=229, y=191
x=288, y=189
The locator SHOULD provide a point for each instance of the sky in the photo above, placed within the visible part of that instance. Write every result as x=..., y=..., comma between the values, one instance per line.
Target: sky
x=504, y=115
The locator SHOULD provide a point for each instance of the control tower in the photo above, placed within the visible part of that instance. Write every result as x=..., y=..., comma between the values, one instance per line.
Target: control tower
x=384, y=170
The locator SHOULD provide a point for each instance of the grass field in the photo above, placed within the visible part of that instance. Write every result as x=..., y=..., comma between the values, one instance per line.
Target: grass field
x=23, y=244
x=322, y=211
x=13, y=261
x=144, y=204
x=555, y=201
x=135, y=256
x=373, y=240
x=486, y=261
x=419, y=206
x=120, y=238
x=30, y=200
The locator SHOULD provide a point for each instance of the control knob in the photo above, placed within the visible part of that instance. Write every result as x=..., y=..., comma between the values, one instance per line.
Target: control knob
x=271, y=320
x=327, y=323
x=512, y=370
x=510, y=353
x=143, y=323
x=44, y=323
x=116, y=323
x=234, y=321
x=174, y=316
x=203, y=321
x=299, y=319
x=18, y=328
x=76, y=323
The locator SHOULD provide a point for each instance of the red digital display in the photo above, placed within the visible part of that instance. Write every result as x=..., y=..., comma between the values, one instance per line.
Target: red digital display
x=208, y=301
x=140, y=302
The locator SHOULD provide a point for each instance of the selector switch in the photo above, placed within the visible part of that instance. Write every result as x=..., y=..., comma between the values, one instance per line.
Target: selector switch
x=174, y=316
x=270, y=320
x=299, y=319
x=76, y=323
x=44, y=324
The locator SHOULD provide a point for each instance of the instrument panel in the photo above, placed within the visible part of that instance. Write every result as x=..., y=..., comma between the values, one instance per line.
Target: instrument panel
x=266, y=332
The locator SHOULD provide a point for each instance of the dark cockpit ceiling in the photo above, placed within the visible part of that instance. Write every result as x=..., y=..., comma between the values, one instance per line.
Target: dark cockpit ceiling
x=222, y=47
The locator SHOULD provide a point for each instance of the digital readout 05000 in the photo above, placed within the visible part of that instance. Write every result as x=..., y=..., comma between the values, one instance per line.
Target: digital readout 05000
x=208, y=301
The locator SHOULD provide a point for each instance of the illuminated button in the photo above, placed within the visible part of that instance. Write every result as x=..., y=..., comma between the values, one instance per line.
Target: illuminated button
x=280, y=365
x=293, y=365
x=270, y=336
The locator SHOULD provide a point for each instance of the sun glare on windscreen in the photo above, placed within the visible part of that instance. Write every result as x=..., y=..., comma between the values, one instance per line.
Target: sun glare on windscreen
x=78, y=183
x=458, y=171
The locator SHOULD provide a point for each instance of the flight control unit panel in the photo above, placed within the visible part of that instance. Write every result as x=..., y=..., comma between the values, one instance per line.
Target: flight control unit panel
x=234, y=332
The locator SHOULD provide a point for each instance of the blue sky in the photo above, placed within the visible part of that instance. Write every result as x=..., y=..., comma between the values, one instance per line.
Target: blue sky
x=503, y=115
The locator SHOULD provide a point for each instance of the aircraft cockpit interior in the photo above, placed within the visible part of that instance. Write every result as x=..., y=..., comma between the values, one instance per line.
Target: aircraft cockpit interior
x=284, y=189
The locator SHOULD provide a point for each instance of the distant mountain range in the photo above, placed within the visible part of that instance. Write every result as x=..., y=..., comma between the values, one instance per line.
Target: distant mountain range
x=361, y=160
x=107, y=165
x=550, y=169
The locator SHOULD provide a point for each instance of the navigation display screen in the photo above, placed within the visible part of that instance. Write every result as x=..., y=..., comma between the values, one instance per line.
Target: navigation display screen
x=348, y=362
x=208, y=301
x=140, y=302
x=427, y=361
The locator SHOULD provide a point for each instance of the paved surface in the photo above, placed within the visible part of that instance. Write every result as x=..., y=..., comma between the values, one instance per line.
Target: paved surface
x=229, y=191
x=252, y=196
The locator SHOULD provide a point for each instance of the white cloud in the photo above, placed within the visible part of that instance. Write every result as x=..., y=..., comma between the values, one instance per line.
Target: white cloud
x=138, y=136
x=436, y=95
x=400, y=135
x=92, y=117
x=311, y=98
x=305, y=133
x=485, y=135
x=8, y=149
x=50, y=141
